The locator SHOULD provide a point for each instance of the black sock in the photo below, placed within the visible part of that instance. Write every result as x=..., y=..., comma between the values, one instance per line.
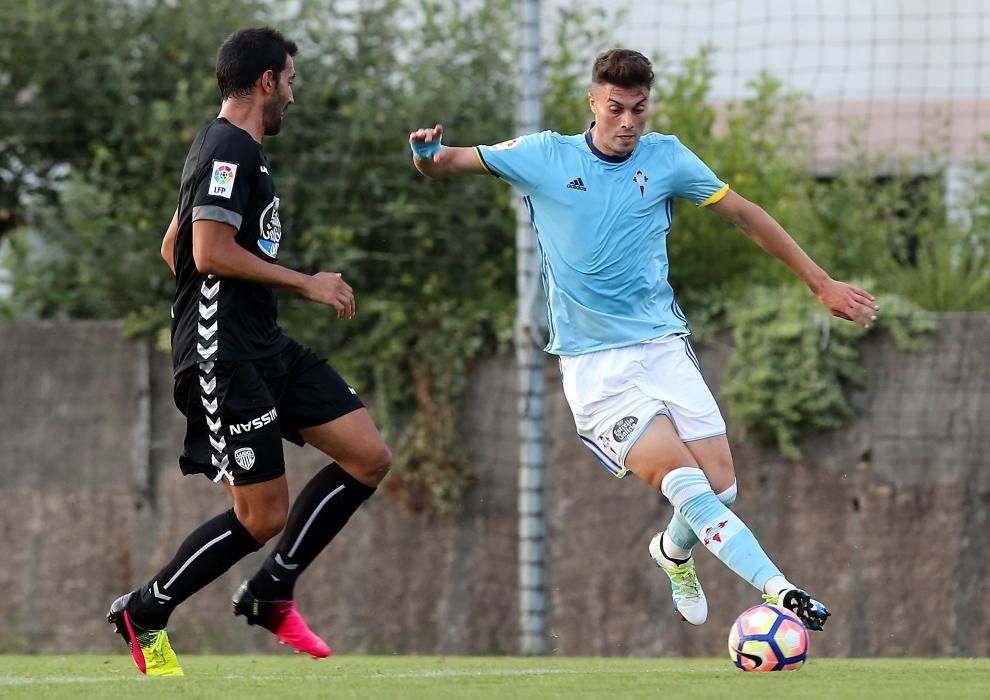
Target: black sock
x=322, y=508
x=208, y=552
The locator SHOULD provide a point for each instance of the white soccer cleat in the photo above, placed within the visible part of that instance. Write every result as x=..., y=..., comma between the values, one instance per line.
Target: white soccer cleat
x=689, y=598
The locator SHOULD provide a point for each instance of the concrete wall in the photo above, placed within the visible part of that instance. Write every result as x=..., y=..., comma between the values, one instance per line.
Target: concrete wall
x=883, y=520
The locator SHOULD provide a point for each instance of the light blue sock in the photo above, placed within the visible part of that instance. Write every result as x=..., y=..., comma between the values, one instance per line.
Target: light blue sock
x=680, y=533
x=717, y=527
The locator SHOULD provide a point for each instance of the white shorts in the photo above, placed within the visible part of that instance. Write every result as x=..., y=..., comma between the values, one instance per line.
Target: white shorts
x=615, y=394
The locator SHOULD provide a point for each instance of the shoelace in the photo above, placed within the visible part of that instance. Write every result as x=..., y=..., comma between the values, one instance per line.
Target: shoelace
x=157, y=648
x=684, y=579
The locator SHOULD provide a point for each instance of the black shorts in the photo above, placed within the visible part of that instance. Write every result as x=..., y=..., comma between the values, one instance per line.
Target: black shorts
x=237, y=412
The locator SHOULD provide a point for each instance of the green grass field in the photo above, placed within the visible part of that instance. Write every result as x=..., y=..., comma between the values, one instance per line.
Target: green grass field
x=230, y=677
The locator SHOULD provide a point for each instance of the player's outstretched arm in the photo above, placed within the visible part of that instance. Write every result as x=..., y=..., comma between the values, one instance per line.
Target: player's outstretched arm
x=433, y=159
x=168, y=242
x=216, y=252
x=841, y=299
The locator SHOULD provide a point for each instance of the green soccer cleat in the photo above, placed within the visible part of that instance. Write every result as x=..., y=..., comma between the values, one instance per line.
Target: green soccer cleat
x=688, y=596
x=150, y=649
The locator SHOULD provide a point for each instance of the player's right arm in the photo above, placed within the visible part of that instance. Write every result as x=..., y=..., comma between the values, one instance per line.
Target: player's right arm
x=216, y=252
x=448, y=160
x=522, y=161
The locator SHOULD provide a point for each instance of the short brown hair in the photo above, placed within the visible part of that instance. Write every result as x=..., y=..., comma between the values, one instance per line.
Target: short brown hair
x=623, y=68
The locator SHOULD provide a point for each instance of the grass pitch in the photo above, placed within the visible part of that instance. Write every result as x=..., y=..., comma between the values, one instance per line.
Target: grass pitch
x=398, y=677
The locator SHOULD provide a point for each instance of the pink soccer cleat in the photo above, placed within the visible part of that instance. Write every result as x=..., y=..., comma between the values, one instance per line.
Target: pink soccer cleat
x=281, y=618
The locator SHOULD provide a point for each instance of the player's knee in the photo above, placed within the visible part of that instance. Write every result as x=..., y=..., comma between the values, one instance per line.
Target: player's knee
x=264, y=524
x=652, y=474
x=372, y=466
x=379, y=462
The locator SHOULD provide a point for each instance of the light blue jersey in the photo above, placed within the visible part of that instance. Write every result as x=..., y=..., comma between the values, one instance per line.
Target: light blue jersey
x=602, y=224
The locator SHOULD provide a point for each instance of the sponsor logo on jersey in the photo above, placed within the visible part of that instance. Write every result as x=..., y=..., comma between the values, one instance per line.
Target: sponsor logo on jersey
x=222, y=180
x=624, y=428
x=270, y=227
x=244, y=457
x=253, y=424
x=505, y=145
x=576, y=184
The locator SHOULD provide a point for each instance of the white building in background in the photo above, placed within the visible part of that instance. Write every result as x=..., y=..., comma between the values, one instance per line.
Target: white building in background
x=907, y=75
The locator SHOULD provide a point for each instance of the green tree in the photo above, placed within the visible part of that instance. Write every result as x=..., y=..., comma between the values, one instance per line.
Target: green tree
x=432, y=262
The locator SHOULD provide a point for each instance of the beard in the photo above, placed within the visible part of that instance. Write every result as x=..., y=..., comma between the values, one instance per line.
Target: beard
x=272, y=123
x=272, y=118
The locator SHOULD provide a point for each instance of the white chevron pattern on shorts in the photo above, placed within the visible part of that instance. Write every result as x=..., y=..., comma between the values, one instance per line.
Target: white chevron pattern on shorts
x=208, y=386
x=221, y=465
x=207, y=347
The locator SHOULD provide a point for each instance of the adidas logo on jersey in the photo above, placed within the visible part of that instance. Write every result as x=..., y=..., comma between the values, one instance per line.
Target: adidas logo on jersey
x=577, y=184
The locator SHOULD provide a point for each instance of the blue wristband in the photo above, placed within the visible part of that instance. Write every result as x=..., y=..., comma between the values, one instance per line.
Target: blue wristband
x=423, y=150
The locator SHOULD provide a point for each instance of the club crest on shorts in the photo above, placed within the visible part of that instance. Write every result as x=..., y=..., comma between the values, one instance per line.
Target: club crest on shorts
x=624, y=428
x=244, y=457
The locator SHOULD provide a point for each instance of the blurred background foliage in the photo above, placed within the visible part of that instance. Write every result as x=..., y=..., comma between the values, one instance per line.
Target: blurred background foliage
x=102, y=99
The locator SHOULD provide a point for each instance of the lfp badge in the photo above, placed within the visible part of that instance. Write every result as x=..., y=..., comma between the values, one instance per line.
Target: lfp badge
x=222, y=183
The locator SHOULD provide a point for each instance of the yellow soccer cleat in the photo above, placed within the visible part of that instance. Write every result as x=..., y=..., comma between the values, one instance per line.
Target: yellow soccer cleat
x=150, y=649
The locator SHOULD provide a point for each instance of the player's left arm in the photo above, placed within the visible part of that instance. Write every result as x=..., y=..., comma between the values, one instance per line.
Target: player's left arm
x=168, y=242
x=841, y=299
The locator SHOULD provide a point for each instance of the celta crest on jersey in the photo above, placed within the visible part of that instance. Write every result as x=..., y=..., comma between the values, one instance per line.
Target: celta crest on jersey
x=271, y=230
x=640, y=179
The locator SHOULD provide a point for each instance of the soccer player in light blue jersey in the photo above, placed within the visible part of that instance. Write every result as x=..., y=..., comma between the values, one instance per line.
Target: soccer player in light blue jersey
x=601, y=204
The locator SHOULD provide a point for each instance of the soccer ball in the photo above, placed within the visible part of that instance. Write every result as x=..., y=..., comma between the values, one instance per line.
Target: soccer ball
x=768, y=638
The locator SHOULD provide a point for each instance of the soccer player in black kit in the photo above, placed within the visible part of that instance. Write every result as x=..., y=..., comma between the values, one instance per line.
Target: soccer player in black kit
x=242, y=384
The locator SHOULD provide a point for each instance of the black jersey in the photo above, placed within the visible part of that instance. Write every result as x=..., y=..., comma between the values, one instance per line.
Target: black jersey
x=226, y=178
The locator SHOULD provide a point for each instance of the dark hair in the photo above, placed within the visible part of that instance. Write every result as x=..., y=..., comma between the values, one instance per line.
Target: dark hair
x=246, y=54
x=623, y=68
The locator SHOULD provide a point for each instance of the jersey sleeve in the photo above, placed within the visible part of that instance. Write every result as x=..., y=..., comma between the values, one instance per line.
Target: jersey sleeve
x=694, y=180
x=223, y=190
x=521, y=161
